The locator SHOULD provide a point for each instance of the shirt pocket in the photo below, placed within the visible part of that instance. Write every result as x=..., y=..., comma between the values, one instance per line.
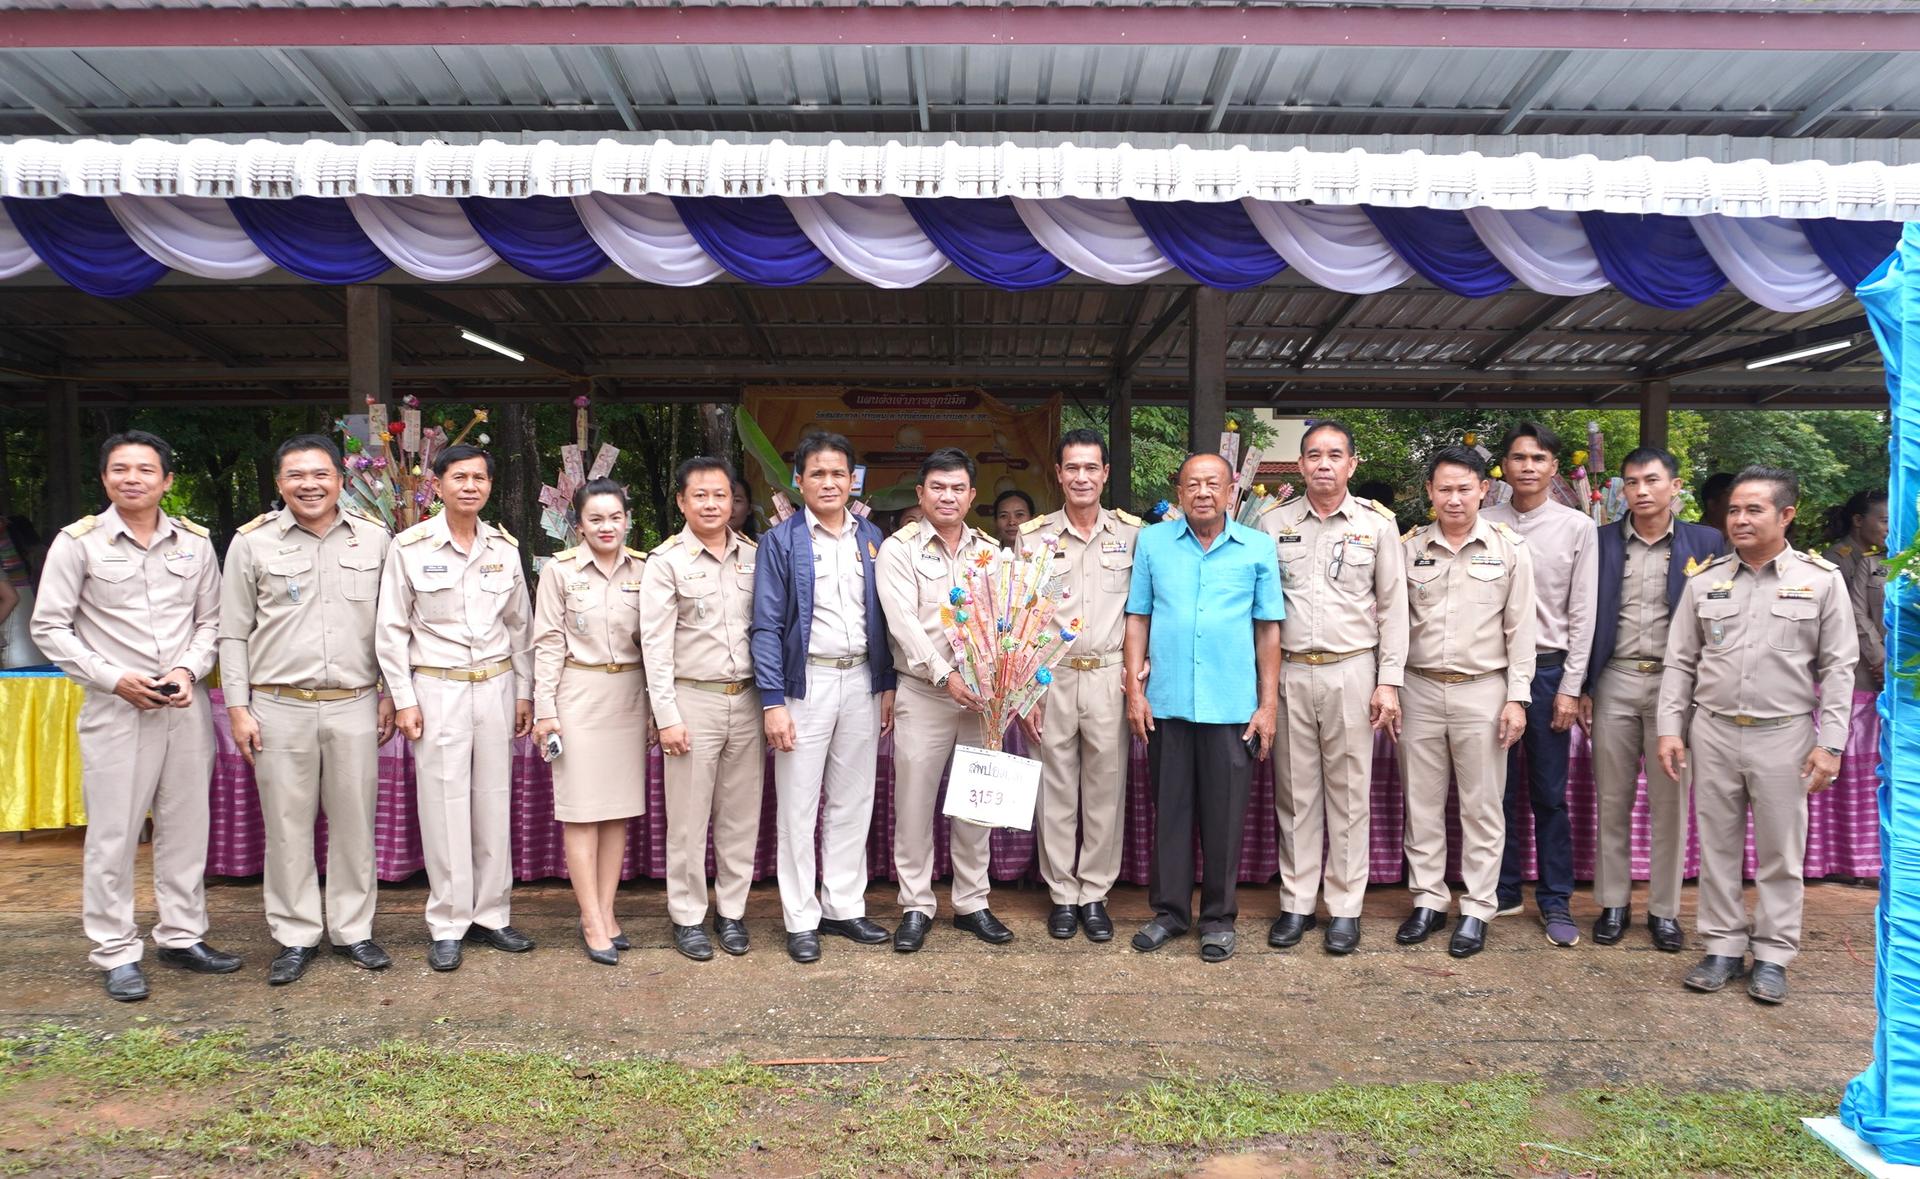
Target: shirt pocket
x=359, y=575
x=696, y=593
x=438, y=598
x=288, y=575
x=1294, y=565
x=497, y=582
x=1116, y=573
x=1489, y=581
x=1793, y=624
x=114, y=582
x=742, y=574
x=1357, y=558
x=933, y=581
x=1716, y=620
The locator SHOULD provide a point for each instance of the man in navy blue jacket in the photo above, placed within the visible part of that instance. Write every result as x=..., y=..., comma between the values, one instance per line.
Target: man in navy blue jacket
x=825, y=674
x=1644, y=563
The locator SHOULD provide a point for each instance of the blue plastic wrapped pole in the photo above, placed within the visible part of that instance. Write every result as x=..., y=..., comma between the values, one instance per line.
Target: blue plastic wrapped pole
x=1882, y=1104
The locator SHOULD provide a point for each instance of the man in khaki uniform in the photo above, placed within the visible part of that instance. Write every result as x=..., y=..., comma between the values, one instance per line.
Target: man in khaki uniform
x=934, y=709
x=1080, y=725
x=1754, y=633
x=1343, y=651
x=1862, y=559
x=696, y=608
x=299, y=674
x=1470, y=607
x=454, y=641
x=129, y=606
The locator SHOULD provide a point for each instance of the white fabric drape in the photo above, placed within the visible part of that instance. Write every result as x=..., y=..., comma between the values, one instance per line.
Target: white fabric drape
x=194, y=235
x=428, y=237
x=1336, y=246
x=1099, y=239
x=1544, y=248
x=874, y=239
x=646, y=238
x=1770, y=260
x=16, y=256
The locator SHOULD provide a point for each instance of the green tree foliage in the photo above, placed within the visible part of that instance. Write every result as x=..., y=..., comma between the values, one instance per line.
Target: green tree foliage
x=1160, y=444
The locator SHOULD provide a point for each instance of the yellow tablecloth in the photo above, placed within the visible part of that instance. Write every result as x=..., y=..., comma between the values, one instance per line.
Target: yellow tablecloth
x=39, y=752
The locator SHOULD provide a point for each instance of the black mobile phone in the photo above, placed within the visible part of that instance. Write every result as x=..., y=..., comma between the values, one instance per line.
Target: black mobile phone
x=168, y=688
x=1253, y=746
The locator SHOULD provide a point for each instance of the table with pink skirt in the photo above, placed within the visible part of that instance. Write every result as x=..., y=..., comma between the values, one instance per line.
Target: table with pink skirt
x=1843, y=835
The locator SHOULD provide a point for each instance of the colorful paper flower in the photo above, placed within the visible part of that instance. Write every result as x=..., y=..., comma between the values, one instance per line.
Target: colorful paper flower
x=957, y=594
x=1579, y=458
x=580, y=403
x=1160, y=507
x=1044, y=676
x=1496, y=472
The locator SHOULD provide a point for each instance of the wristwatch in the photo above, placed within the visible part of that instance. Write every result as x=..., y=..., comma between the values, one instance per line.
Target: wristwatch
x=941, y=683
x=1835, y=752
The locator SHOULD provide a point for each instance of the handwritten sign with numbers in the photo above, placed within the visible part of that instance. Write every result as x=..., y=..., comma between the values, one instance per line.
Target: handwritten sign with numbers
x=990, y=788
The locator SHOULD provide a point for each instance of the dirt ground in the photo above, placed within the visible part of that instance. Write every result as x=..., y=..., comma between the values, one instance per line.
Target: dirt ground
x=1069, y=1014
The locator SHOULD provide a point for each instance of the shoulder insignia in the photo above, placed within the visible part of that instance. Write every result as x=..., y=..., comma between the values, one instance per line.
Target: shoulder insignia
x=1842, y=551
x=909, y=530
x=82, y=526
x=666, y=545
x=417, y=532
x=1032, y=525
x=747, y=541
x=254, y=523
x=1408, y=534
x=636, y=554
x=1508, y=533
x=1275, y=506
x=1695, y=567
x=1128, y=518
x=361, y=516
x=1383, y=509
x=509, y=537
x=991, y=539
x=190, y=526
x=567, y=554
x=1818, y=561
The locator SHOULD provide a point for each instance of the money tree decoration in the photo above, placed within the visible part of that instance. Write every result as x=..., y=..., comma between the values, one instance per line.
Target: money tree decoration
x=1004, y=623
x=556, y=498
x=390, y=475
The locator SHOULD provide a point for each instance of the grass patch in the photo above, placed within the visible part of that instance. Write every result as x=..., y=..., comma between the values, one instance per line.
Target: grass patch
x=1643, y=1131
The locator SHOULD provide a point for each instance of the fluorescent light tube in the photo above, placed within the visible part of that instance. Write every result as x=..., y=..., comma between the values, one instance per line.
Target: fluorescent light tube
x=1802, y=353
x=497, y=346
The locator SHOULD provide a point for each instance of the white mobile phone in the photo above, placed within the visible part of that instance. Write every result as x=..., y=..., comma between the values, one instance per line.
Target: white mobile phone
x=551, y=750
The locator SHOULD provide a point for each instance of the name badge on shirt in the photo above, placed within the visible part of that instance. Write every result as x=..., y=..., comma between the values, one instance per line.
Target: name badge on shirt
x=1289, y=538
x=1719, y=595
x=695, y=575
x=1423, y=562
x=1797, y=593
x=579, y=586
x=113, y=557
x=430, y=570
x=1484, y=561
x=179, y=555
x=496, y=567
x=1113, y=546
x=745, y=567
x=629, y=587
x=281, y=552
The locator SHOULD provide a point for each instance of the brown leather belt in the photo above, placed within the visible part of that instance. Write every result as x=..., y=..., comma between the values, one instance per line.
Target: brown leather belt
x=842, y=662
x=1641, y=665
x=1321, y=658
x=288, y=692
x=1091, y=662
x=1454, y=677
x=1751, y=722
x=720, y=687
x=609, y=668
x=466, y=675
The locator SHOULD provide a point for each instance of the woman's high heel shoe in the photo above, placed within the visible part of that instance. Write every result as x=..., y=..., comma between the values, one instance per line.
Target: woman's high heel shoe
x=606, y=957
x=620, y=941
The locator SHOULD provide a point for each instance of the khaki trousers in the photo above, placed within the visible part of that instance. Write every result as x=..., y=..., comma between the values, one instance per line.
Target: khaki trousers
x=927, y=724
x=463, y=763
x=133, y=762
x=1454, y=728
x=1735, y=769
x=1625, y=703
x=823, y=852
x=1083, y=783
x=1323, y=783
x=721, y=779
x=317, y=754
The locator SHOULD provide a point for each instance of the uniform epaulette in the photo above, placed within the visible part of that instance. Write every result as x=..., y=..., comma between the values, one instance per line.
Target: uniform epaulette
x=570, y=554
x=748, y=541
x=1408, y=534
x=1275, y=506
x=509, y=537
x=991, y=539
x=636, y=554
x=1507, y=531
x=1128, y=518
x=1843, y=551
x=361, y=516
x=909, y=530
x=666, y=544
x=82, y=526
x=1695, y=570
x=1032, y=525
x=417, y=532
x=254, y=523
x=1377, y=506
x=190, y=526
x=1816, y=560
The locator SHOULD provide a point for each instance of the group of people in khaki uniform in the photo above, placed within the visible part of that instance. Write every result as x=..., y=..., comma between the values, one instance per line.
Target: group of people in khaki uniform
x=332, y=636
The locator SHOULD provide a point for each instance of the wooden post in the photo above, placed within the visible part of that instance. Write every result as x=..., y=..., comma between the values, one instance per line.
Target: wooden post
x=1207, y=370
x=67, y=470
x=1655, y=396
x=1120, y=444
x=369, y=346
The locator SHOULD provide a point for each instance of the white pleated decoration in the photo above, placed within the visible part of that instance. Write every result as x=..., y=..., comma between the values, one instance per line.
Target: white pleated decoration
x=1546, y=249
x=194, y=235
x=1099, y=239
x=1336, y=246
x=874, y=239
x=646, y=238
x=16, y=256
x=428, y=237
x=1770, y=260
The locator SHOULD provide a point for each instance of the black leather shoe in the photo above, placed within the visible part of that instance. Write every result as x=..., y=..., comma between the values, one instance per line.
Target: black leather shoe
x=1094, y=919
x=692, y=941
x=367, y=955
x=1063, y=922
x=985, y=926
x=505, y=938
x=1290, y=928
x=858, y=929
x=1343, y=934
x=444, y=955
x=606, y=957
x=127, y=984
x=201, y=958
x=620, y=941
x=1420, y=925
x=804, y=946
x=733, y=934
x=1611, y=926
x=1769, y=983
x=911, y=933
x=1469, y=938
x=1667, y=934
x=290, y=963
x=1714, y=972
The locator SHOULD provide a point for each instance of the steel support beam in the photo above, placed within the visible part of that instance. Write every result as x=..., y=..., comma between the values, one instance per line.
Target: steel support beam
x=1521, y=102
x=616, y=85
x=36, y=94
x=1858, y=77
x=300, y=67
x=1225, y=80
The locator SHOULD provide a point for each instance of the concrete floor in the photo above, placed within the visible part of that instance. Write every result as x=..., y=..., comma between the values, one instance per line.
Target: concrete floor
x=1069, y=1013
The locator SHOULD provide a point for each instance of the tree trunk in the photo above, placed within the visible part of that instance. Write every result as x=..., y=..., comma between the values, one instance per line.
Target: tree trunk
x=716, y=431
x=516, y=491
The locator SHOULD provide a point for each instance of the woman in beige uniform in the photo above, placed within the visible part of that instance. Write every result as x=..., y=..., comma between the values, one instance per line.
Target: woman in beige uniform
x=589, y=689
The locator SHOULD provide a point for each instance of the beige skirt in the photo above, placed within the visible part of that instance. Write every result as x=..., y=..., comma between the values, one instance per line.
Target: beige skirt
x=601, y=773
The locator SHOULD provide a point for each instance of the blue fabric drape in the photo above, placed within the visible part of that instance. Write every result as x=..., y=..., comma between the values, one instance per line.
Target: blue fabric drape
x=79, y=240
x=1442, y=246
x=986, y=239
x=755, y=239
x=312, y=237
x=1851, y=249
x=1882, y=1104
x=1213, y=243
x=540, y=236
x=1654, y=258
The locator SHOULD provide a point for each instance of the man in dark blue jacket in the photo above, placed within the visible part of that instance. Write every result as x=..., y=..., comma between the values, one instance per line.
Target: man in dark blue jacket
x=825, y=674
x=1644, y=562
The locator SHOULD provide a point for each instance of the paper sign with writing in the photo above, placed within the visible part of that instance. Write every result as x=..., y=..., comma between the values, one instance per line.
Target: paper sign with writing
x=990, y=788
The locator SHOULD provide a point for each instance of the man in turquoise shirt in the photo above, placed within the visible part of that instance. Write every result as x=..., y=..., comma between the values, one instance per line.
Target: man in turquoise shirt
x=1204, y=613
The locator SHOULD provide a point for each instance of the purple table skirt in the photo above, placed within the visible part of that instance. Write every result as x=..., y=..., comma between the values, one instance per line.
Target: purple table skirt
x=1843, y=833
